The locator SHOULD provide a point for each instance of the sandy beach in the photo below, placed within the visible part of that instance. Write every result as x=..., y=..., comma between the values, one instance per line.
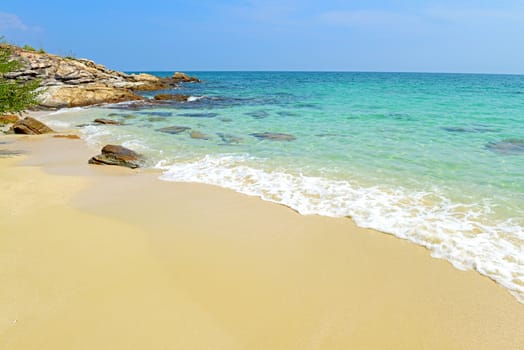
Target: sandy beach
x=98, y=257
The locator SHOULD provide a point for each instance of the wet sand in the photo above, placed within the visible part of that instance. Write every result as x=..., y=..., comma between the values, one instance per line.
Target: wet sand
x=98, y=257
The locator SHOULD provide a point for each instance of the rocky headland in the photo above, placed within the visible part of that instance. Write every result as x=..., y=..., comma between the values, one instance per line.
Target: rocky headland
x=76, y=82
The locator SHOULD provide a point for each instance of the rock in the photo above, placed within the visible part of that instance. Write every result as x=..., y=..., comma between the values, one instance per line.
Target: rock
x=77, y=96
x=30, y=126
x=173, y=129
x=117, y=155
x=273, y=136
x=198, y=135
x=107, y=121
x=183, y=77
x=8, y=119
x=171, y=97
x=73, y=137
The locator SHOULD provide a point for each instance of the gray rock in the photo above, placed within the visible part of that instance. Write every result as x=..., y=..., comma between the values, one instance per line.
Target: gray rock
x=119, y=156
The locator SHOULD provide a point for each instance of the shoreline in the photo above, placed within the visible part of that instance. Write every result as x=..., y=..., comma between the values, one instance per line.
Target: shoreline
x=130, y=261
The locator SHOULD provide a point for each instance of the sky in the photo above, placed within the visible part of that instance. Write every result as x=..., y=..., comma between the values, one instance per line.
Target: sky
x=469, y=36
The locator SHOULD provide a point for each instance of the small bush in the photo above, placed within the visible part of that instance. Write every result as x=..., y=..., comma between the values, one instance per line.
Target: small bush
x=15, y=96
x=41, y=50
x=28, y=48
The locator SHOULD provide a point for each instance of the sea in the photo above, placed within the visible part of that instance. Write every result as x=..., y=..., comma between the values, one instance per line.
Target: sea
x=436, y=159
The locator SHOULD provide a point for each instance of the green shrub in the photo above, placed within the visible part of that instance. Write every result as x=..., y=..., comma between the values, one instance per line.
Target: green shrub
x=15, y=96
x=29, y=48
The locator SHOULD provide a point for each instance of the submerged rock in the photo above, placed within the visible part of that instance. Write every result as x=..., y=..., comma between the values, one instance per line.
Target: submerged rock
x=172, y=97
x=31, y=126
x=160, y=114
x=198, y=115
x=507, y=147
x=273, y=136
x=107, y=121
x=198, y=135
x=460, y=129
x=229, y=139
x=8, y=119
x=173, y=129
x=117, y=155
x=258, y=114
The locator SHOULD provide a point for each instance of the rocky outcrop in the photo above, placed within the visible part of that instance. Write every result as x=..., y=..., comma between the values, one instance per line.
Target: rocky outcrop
x=85, y=95
x=184, y=78
x=117, y=155
x=30, y=126
x=71, y=82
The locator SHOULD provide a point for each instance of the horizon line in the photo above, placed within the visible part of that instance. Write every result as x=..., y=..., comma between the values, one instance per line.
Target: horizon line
x=313, y=71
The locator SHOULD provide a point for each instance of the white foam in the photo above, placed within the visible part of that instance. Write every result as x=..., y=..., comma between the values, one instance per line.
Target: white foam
x=194, y=98
x=67, y=110
x=457, y=232
x=58, y=125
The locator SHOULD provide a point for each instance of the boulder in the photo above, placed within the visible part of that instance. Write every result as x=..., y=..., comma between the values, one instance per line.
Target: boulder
x=8, y=119
x=117, y=155
x=107, y=121
x=273, y=136
x=171, y=97
x=184, y=78
x=30, y=126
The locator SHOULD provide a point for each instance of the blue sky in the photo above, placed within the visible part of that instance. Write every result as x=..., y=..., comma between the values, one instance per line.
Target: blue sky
x=373, y=35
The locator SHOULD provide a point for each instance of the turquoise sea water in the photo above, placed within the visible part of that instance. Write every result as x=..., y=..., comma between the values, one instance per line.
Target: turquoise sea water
x=437, y=159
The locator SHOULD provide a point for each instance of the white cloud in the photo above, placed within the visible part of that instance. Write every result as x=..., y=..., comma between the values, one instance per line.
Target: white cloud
x=9, y=21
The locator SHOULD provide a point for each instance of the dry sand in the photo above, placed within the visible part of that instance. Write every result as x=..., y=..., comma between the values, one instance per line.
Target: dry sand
x=108, y=258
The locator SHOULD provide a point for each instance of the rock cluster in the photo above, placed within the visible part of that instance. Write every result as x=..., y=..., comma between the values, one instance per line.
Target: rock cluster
x=71, y=82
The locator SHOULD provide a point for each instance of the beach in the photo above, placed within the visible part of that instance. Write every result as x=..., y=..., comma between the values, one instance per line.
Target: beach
x=112, y=258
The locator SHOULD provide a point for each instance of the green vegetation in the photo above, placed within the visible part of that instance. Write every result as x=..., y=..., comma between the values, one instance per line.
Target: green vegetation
x=28, y=48
x=15, y=95
x=41, y=50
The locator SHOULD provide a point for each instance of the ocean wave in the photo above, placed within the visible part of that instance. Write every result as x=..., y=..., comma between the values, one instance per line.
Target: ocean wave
x=457, y=232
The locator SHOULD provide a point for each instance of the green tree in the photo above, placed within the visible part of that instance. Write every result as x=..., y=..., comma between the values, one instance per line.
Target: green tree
x=15, y=95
